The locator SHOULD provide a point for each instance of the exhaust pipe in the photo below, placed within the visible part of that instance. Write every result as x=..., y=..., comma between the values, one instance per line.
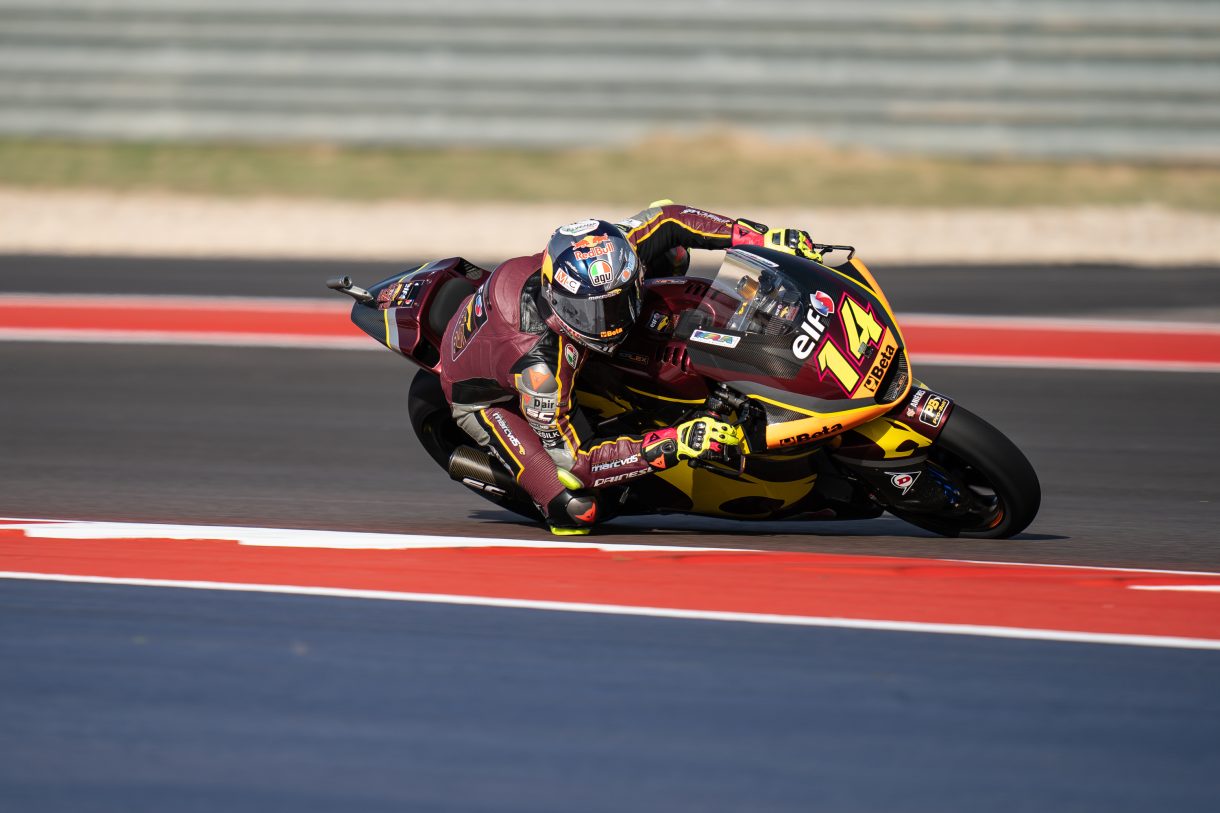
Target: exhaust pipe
x=476, y=469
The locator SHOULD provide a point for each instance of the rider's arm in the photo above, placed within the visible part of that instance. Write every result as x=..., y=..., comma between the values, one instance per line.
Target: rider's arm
x=665, y=228
x=545, y=380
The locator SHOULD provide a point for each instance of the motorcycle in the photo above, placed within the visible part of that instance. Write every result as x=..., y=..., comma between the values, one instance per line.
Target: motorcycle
x=804, y=354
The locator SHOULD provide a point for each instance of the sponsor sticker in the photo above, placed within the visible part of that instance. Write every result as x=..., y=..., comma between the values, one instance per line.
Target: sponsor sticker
x=634, y=358
x=565, y=279
x=616, y=478
x=614, y=464
x=873, y=380
x=481, y=486
x=630, y=223
x=812, y=328
x=508, y=433
x=903, y=480
x=708, y=337
x=934, y=410
x=578, y=228
x=409, y=296
x=660, y=322
x=708, y=215
x=913, y=404
x=822, y=303
x=592, y=246
x=807, y=436
x=600, y=272
x=470, y=325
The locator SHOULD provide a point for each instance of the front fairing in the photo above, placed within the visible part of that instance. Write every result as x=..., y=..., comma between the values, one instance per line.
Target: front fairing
x=814, y=347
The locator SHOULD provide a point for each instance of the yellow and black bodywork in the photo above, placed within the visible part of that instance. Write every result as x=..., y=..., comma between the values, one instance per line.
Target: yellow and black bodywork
x=814, y=351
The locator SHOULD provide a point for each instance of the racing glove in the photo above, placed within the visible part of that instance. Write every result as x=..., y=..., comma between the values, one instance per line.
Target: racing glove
x=701, y=439
x=792, y=241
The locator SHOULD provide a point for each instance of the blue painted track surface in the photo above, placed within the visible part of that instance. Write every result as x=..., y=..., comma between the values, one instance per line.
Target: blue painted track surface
x=130, y=699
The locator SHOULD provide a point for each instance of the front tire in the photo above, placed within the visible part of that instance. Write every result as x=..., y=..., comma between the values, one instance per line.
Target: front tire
x=998, y=482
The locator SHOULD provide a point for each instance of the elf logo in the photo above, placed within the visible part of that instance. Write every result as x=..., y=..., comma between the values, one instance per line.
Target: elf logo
x=813, y=328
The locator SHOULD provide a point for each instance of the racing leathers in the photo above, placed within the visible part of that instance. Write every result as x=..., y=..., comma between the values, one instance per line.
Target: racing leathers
x=510, y=379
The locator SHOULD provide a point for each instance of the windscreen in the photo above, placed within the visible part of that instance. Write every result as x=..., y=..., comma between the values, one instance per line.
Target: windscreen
x=750, y=294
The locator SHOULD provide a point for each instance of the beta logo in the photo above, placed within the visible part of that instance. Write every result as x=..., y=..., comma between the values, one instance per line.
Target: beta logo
x=805, y=437
x=903, y=480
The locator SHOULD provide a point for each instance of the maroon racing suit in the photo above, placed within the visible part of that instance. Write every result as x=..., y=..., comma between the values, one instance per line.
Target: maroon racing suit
x=510, y=379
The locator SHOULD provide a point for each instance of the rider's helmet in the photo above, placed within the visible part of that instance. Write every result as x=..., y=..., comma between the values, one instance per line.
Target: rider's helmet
x=591, y=284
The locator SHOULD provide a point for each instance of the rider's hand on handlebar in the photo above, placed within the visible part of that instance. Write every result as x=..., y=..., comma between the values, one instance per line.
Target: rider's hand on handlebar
x=703, y=438
x=792, y=241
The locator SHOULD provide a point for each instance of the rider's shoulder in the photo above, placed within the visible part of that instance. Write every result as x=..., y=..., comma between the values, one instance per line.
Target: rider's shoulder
x=507, y=280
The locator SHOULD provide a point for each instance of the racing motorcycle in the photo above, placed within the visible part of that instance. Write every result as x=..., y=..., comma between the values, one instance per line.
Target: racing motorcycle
x=804, y=354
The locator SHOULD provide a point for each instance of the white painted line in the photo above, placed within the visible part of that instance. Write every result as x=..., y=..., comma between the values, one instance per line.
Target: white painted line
x=297, y=538
x=43, y=528
x=1106, y=568
x=1182, y=588
x=651, y=612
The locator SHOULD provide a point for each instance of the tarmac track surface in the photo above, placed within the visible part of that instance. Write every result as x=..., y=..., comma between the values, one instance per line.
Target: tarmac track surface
x=320, y=439
x=120, y=697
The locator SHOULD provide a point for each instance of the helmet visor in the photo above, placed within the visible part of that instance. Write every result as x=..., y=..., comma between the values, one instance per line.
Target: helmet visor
x=603, y=319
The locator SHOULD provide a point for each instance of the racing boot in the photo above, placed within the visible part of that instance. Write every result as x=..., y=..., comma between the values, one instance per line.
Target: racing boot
x=573, y=511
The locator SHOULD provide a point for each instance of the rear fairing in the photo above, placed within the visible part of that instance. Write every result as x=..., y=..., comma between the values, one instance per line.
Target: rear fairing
x=409, y=312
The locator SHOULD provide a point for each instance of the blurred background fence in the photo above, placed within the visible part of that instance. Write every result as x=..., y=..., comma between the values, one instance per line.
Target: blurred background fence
x=1074, y=78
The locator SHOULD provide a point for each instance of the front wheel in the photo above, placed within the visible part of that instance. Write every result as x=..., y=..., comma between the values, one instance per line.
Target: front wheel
x=996, y=491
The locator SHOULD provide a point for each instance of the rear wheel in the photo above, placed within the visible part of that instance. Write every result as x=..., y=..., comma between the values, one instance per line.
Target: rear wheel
x=993, y=489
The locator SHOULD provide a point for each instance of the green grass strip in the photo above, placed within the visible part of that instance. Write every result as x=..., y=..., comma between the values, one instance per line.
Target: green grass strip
x=724, y=171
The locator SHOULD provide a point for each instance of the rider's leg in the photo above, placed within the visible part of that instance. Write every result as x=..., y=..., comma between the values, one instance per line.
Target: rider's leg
x=508, y=437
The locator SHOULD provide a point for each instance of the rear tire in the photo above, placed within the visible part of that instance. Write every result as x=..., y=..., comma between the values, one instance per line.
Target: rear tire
x=981, y=458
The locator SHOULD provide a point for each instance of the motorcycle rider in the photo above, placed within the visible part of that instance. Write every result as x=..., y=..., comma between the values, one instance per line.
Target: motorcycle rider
x=511, y=354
